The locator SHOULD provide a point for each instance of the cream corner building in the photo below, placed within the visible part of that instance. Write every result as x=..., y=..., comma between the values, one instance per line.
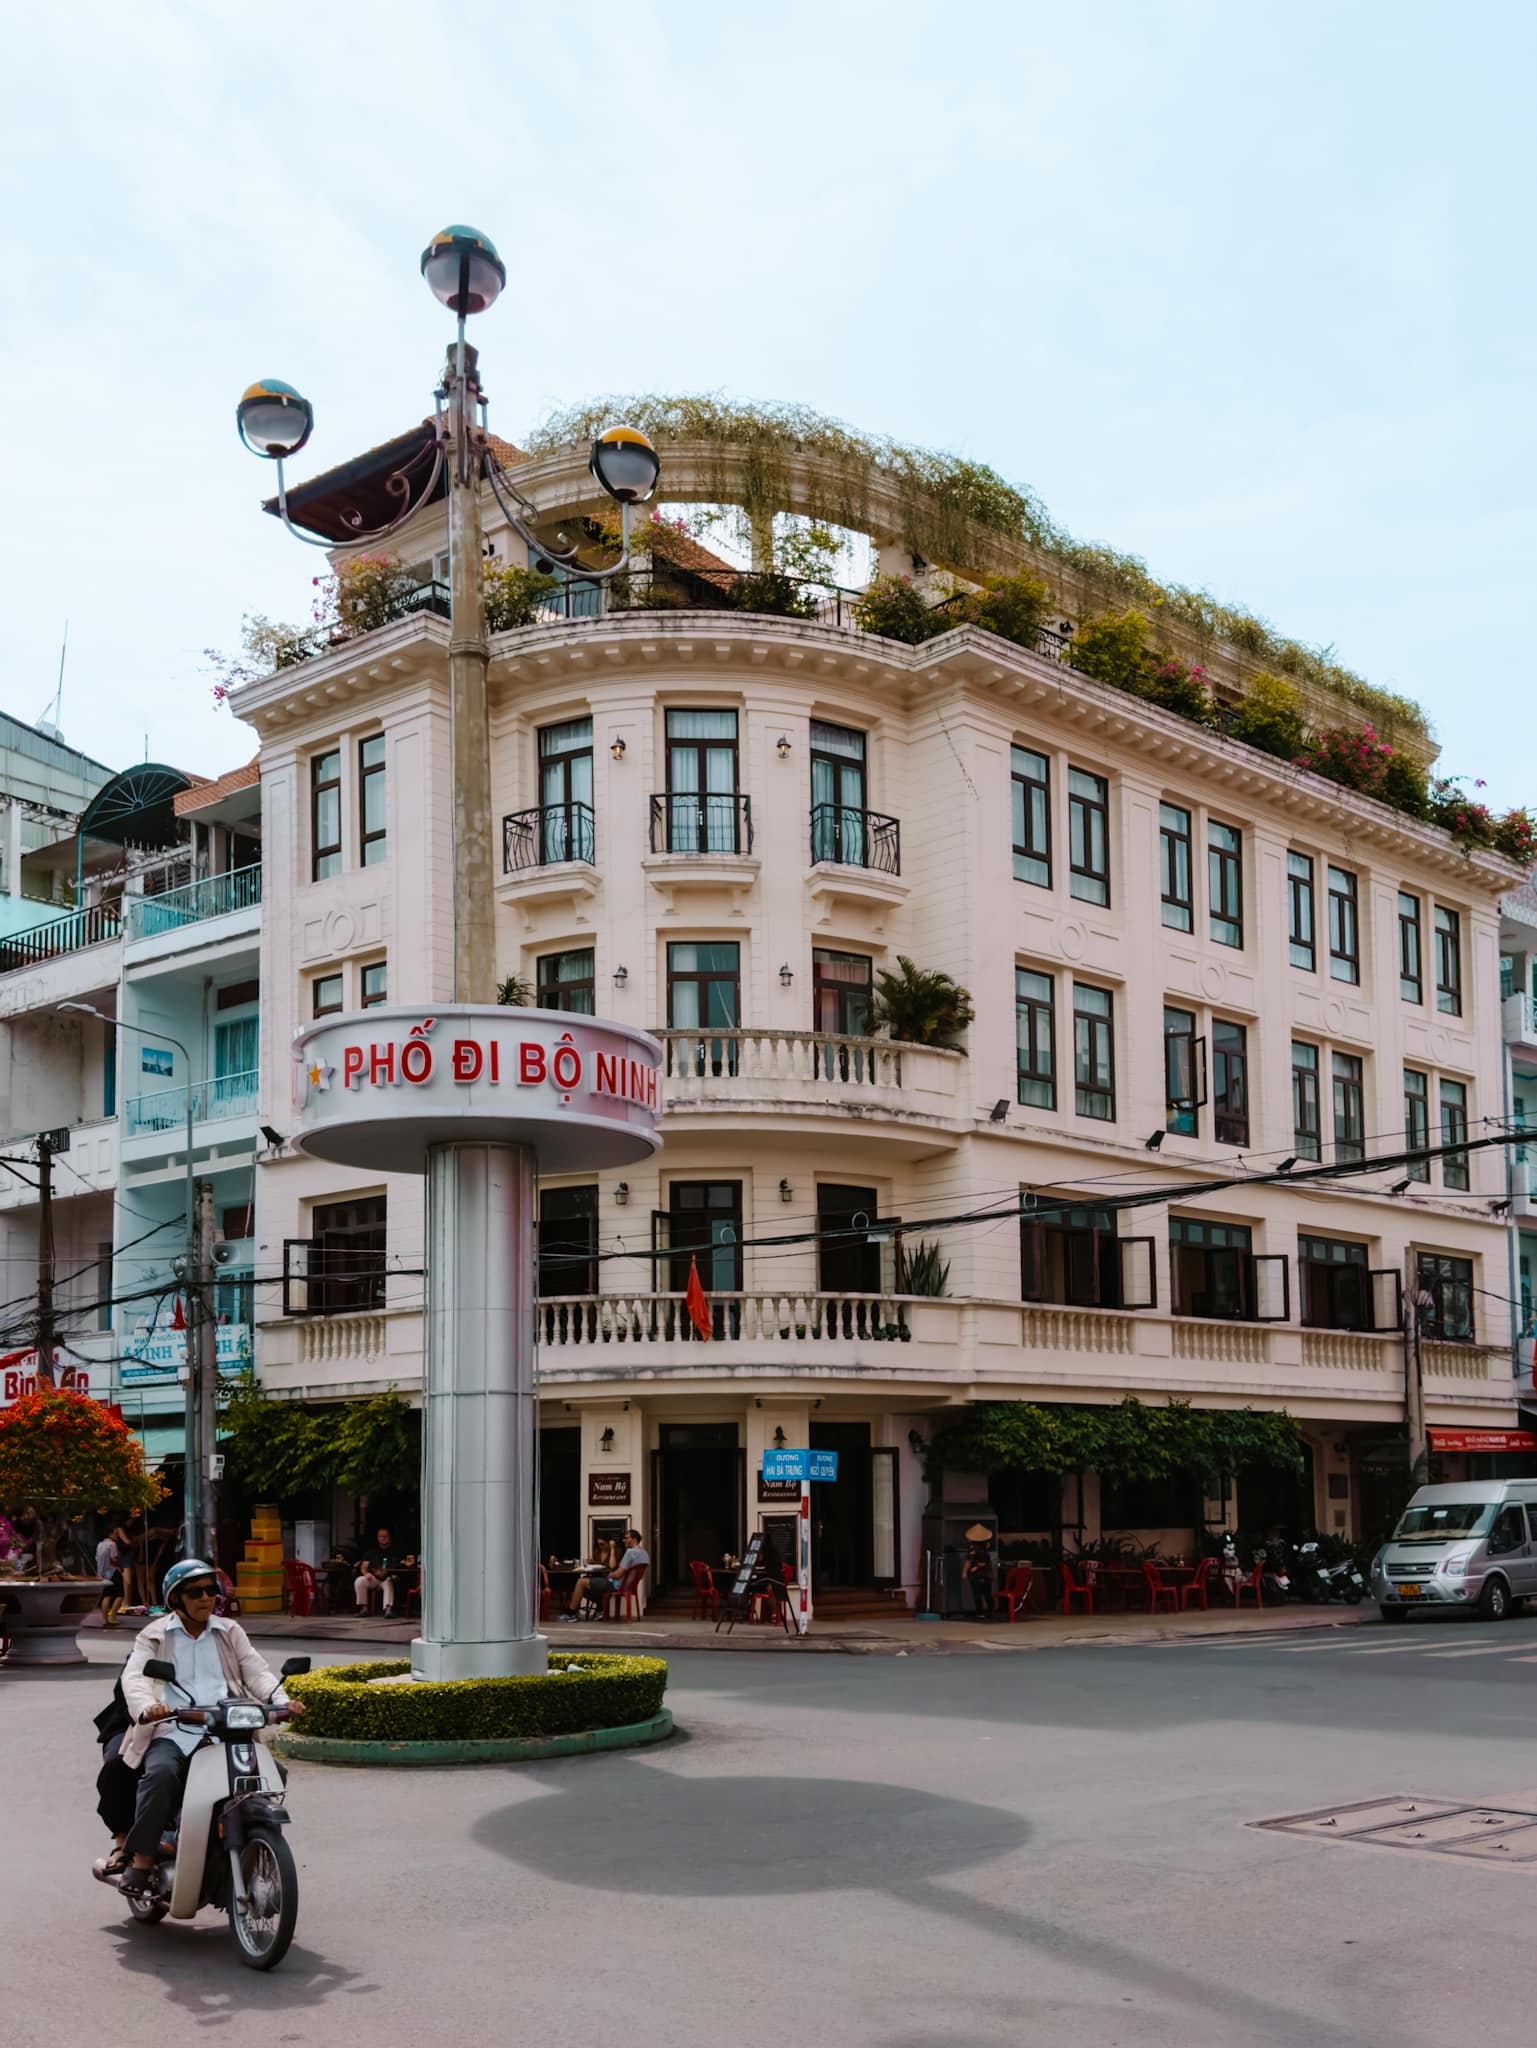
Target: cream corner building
x=720, y=826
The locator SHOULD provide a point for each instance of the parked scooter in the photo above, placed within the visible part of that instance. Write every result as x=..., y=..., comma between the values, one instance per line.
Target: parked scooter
x=1275, y=1579
x=226, y=1848
x=1320, y=1582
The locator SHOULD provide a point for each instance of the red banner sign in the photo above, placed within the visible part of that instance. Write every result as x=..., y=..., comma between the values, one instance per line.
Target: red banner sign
x=1482, y=1439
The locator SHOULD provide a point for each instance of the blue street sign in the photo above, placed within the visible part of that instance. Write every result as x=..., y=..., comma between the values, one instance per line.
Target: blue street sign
x=800, y=1465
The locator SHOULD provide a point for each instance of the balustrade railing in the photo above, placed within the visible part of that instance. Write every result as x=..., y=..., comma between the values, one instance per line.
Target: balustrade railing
x=863, y=1066
x=213, y=896
x=645, y=1319
x=547, y=835
x=89, y=927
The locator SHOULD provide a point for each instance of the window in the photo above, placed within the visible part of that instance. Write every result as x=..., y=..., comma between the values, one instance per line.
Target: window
x=840, y=993
x=109, y=1070
x=1448, y=930
x=1208, y=1267
x=1031, y=787
x=567, y=1242
x=839, y=822
x=1035, y=1038
x=1454, y=1131
x=1230, y=1082
x=565, y=792
x=565, y=981
x=236, y=1056
x=1349, y=1109
x=1334, y=1283
x=1074, y=1257
x=1174, y=867
x=1344, y=927
x=1410, y=970
x=345, y=1267
x=104, y=1286
x=326, y=815
x=1088, y=835
x=1449, y=1283
x=373, y=838
x=1416, y=1121
x=1182, y=1090
x=703, y=990
x=703, y=813
x=1224, y=878
x=1307, y=1125
x=375, y=985
x=1300, y=926
x=327, y=995
x=704, y=1223
x=1093, y=1052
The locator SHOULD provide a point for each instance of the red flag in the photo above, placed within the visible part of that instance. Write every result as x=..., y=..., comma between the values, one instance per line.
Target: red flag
x=696, y=1302
x=178, y=1321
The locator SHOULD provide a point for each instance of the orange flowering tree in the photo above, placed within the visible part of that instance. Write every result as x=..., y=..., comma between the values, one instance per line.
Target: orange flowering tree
x=67, y=1455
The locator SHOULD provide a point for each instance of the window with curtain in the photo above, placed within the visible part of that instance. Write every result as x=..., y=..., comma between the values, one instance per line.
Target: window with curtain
x=565, y=791
x=839, y=826
x=565, y=981
x=702, y=779
x=236, y=1056
x=704, y=997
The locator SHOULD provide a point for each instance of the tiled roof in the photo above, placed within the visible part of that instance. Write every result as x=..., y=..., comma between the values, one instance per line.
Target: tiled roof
x=204, y=793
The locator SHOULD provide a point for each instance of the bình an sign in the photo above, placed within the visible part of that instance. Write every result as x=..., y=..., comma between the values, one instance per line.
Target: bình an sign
x=379, y=1087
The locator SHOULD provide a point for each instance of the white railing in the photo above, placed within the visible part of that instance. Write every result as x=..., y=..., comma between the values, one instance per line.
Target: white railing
x=323, y=1340
x=166, y=1109
x=1348, y=1350
x=1077, y=1329
x=149, y=916
x=1222, y=1343
x=807, y=1068
x=574, y=1321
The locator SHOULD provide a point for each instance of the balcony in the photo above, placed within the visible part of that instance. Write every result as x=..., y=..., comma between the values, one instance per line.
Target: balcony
x=150, y=917
x=88, y=1166
x=549, y=854
x=702, y=840
x=910, y=1097
x=94, y=926
x=856, y=839
x=1518, y=1020
x=631, y=1332
x=164, y=1113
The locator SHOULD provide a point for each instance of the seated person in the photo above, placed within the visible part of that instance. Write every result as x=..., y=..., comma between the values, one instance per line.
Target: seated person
x=600, y=1584
x=367, y=1582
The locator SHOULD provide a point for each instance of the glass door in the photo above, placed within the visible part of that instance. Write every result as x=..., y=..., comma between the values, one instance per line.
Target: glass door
x=235, y=1056
x=565, y=791
x=702, y=808
x=838, y=823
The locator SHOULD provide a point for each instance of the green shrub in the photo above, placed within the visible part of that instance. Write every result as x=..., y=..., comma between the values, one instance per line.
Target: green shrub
x=1112, y=649
x=1270, y=718
x=582, y=1691
x=514, y=595
x=896, y=609
x=1014, y=607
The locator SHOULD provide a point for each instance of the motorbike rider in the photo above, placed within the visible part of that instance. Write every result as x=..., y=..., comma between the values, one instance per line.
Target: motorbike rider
x=215, y=1660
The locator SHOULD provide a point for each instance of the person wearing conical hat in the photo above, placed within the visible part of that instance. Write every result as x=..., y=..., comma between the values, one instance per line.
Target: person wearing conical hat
x=979, y=1568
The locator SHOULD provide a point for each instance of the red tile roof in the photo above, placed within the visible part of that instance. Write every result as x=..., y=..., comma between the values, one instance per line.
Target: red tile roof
x=204, y=793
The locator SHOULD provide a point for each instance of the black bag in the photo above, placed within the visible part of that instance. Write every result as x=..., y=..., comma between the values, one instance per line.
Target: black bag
x=114, y=1717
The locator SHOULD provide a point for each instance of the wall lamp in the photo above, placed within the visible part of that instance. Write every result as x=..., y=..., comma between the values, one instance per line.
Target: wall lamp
x=786, y=974
x=622, y=1194
x=999, y=1110
x=274, y=1138
x=1155, y=1141
x=780, y=1439
x=617, y=750
x=621, y=976
x=782, y=748
x=916, y=1443
x=1399, y=1186
x=606, y=1440
x=786, y=1192
x=1286, y=1165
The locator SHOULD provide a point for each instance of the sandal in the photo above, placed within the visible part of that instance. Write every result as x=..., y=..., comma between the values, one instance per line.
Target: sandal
x=110, y=1868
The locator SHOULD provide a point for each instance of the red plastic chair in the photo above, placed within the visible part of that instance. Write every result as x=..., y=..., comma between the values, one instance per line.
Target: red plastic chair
x=300, y=1581
x=1250, y=1584
x=1014, y=1593
x=1159, y=1589
x=1195, y=1591
x=706, y=1597
x=1075, y=1589
x=627, y=1595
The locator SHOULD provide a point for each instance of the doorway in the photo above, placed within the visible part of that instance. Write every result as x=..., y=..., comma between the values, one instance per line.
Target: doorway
x=841, y=1552
x=699, y=1494
x=847, y=1262
x=560, y=1493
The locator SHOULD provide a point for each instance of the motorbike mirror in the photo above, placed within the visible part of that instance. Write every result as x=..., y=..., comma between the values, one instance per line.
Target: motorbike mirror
x=294, y=1667
x=161, y=1668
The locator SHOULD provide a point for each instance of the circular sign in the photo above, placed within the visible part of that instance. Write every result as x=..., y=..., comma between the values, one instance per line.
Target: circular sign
x=377, y=1088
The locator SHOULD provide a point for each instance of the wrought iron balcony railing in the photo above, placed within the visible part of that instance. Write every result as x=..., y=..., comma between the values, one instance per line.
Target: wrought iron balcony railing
x=89, y=927
x=700, y=821
x=857, y=839
x=546, y=835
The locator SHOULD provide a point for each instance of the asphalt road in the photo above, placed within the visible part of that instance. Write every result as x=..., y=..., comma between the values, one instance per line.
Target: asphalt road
x=1052, y=1850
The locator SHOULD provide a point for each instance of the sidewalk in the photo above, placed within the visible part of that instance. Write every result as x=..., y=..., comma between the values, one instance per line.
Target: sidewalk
x=880, y=1639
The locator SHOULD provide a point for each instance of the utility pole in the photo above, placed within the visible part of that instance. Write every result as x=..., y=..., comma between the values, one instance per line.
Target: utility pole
x=207, y=1370
x=45, y=1320
x=1416, y=1300
x=469, y=655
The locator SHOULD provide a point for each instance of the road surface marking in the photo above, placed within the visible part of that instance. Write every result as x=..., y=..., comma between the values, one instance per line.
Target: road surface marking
x=1484, y=1650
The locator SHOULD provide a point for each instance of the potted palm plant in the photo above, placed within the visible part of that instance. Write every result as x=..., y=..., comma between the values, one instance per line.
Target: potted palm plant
x=920, y=1005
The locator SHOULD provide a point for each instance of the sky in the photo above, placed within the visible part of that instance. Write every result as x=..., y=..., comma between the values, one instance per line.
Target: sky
x=1243, y=288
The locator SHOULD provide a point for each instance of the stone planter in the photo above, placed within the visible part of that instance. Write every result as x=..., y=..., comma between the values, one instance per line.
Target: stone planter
x=41, y=1617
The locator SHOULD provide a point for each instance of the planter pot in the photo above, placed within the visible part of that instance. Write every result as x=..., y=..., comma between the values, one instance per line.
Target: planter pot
x=41, y=1617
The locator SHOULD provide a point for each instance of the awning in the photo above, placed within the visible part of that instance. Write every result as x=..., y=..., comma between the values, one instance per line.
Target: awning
x=1482, y=1439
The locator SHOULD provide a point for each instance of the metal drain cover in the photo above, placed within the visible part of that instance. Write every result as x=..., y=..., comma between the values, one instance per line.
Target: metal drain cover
x=1490, y=1834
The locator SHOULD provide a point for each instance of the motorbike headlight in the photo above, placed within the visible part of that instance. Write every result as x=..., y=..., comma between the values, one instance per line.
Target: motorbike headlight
x=1454, y=1567
x=245, y=1717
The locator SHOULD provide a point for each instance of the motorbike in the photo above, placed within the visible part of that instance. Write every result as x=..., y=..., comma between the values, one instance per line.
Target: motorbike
x=1320, y=1582
x=225, y=1848
x=1275, y=1580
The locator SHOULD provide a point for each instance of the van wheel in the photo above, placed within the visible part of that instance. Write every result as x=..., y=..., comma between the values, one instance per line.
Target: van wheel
x=1393, y=1614
x=1494, y=1601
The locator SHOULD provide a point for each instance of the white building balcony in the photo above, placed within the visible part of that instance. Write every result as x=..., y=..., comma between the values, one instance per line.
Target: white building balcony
x=1518, y=1020
x=223, y=1117
x=1523, y=1180
x=908, y=1097
x=207, y=913
x=71, y=959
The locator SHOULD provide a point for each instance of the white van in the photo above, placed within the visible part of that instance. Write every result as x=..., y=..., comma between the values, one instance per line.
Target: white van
x=1471, y=1545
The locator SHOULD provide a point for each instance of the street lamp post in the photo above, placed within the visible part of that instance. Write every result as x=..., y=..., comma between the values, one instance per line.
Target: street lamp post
x=479, y=1410
x=195, y=1477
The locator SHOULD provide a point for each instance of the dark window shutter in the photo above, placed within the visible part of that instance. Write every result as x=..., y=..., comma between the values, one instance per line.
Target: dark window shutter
x=1032, y=1259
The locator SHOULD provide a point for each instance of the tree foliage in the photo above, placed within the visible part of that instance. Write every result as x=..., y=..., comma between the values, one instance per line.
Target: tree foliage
x=281, y=1448
x=920, y=1005
x=1130, y=1440
x=68, y=1456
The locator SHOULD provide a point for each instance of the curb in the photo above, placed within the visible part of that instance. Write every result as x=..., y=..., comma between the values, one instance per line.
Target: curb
x=522, y=1749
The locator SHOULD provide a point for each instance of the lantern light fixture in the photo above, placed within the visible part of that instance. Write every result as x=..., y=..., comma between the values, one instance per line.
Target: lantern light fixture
x=786, y=1192
x=274, y=420
x=621, y=975
x=463, y=270
x=782, y=747
x=617, y=750
x=786, y=975
x=624, y=462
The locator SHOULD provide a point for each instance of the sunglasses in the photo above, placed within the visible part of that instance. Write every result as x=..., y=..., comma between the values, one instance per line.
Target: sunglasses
x=200, y=1592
